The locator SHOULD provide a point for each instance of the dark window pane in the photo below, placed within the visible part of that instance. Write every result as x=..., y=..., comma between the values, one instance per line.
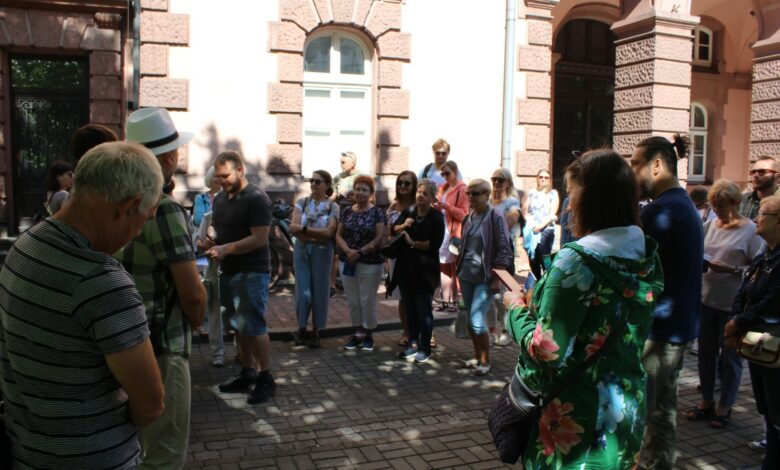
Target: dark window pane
x=704, y=53
x=352, y=59
x=578, y=41
x=699, y=118
x=698, y=165
x=317, y=57
x=704, y=38
x=59, y=74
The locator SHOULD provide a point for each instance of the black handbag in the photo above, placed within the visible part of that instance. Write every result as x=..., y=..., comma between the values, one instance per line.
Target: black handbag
x=518, y=408
x=394, y=247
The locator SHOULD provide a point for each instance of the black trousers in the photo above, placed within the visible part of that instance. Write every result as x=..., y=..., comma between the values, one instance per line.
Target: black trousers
x=766, y=391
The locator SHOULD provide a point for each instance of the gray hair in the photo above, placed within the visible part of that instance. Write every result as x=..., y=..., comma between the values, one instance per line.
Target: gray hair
x=208, y=179
x=429, y=186
x=119, y=171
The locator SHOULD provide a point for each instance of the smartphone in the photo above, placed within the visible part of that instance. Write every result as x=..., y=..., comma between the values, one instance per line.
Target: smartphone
x=508, y=280
x=349, y=269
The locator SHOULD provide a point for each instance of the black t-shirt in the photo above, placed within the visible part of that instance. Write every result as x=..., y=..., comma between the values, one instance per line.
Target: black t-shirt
x=233, y=220
x=416, y=268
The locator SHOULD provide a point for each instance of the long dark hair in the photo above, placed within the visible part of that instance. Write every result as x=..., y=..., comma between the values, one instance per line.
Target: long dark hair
x=327, y=179
x=603, y=192
x=58, y=168
x=668, y=152
x=413, y=189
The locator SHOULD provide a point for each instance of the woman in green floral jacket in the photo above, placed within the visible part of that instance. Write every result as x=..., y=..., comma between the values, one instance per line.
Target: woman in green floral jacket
x=609, y=277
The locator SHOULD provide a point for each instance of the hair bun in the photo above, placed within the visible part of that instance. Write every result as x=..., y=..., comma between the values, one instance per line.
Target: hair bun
x=681, y=144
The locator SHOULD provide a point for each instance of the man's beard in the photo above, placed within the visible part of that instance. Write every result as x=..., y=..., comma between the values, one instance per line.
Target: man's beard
x=764, y=184
x=645, y=190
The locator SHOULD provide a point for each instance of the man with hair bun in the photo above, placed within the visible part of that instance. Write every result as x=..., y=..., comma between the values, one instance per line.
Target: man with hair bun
x=672, y=220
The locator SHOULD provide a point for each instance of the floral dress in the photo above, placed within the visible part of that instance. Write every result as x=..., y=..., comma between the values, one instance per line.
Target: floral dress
x=598, y=422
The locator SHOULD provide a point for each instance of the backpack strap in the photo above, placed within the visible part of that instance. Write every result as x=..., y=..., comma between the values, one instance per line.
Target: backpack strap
x=426, y=170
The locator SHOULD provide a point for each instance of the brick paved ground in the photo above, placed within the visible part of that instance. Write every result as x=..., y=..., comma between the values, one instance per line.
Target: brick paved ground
x=336, y=409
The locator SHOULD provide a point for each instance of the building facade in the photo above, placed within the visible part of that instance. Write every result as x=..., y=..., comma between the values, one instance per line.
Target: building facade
x=292, y=83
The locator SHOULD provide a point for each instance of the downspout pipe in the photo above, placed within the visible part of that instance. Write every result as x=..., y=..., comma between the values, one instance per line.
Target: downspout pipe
x=133, y=104
x=507, y=123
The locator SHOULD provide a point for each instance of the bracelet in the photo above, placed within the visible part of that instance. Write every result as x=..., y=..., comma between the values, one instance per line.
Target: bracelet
x=305, y=228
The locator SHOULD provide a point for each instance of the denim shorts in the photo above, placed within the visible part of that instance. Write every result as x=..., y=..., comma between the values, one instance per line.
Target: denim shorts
x=244, y=298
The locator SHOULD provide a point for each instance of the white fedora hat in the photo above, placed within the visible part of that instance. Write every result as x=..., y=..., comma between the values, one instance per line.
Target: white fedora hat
x=153, y=128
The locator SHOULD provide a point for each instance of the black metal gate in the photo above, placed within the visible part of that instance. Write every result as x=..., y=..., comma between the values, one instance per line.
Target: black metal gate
x=50, y=100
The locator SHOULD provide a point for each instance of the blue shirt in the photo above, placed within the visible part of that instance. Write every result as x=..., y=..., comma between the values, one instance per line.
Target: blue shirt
x=672, y=220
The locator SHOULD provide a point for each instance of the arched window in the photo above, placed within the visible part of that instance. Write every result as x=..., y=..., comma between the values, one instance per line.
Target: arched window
x=697, y=163
x=702, y=46
x=336, y=100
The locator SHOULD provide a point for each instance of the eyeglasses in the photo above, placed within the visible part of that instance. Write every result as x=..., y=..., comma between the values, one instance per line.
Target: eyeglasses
x=499, y=180
x=543, y=177
x=445, y=173
x=473, y=193
x=315, y=181
x=762, y=213
x=404, y=184
x=762, y=172
x=441, y=154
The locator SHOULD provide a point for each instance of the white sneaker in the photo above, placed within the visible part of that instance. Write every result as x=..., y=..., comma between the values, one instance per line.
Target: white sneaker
x=218, y=361
x=504, y=340
x=470, y=364
x=492, y=339
x=482, y=369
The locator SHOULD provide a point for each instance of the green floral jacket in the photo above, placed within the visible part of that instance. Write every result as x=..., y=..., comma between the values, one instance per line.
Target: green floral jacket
x=599, y=420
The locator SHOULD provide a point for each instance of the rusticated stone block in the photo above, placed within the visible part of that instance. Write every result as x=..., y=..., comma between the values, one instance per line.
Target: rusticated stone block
x=765, y=132
x=395, y=45
x=73, y=28
x=285, y=98
x=674, y=48
x=540, y=32
x=537, y=58
x=533, y=112
x=766, y=91
x=537, y=137
x=290, y=67
x=538, y=85
x=529, y=163
x=667, y=96
x=764, y=148
x=634, y=98
x=390, y=74
x=392, y=160
x=670, y=120
x=105, y=111
x=289, y=128
x=624, y=144
x=383, y=17
x=159, y=5
x=632, y=75
x=164, y=93
x=388, y=131
x=767, y=111
x=393, y=102
x=46, y=27
x=324, y=10
x=361, y=12
x=674, y=73
x=769, y=70
x=105, y=88
x=286, y=36
x=154, y=59
x=342, y=10
x=634, y=121
x=301, y=12
x=16, y=27
x=657, y=71
x=284, y=159
x=636, y=51
x=96, y=39
x=165, y=28
x=656, y=47
x=104, y=63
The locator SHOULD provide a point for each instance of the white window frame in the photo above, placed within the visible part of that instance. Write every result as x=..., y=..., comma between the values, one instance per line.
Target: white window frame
x=697, y=60
x=695, y=153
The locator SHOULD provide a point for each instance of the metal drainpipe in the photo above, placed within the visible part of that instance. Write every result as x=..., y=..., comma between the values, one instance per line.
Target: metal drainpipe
x=509, y=81
x=133, y=104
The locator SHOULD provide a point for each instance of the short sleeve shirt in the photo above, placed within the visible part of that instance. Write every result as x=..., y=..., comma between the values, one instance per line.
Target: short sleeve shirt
x=359, y=229
x=233, y=219
x=540, y=204
x=317, y=215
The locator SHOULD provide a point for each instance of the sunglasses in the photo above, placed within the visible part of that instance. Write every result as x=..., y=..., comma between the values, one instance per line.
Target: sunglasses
x=404, y=184
x=316, y=181
x=496, y=179
x=441, y=154
x=472, y=193
x=762, y=172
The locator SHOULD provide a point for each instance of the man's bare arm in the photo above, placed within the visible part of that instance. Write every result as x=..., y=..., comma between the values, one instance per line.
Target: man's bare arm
x=257, y=240
x=136, y=371
x=190, y=290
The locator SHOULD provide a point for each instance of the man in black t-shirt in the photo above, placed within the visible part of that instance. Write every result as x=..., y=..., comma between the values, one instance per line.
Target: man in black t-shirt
x=242, y=219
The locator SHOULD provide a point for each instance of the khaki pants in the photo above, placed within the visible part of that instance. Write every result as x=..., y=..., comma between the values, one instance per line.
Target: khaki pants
x=662, y=362
x=164, y=442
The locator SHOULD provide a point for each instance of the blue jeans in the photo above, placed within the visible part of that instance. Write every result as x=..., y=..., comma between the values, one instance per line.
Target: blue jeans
x=710, y=348
x=244, y=298
x=477, y=299
x=313, y=262
x=419, y=313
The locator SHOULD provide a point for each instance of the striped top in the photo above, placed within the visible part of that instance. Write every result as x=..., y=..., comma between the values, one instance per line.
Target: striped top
x=63, y=307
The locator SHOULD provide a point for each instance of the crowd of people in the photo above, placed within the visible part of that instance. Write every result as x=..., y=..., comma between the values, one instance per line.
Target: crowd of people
x=111, y=283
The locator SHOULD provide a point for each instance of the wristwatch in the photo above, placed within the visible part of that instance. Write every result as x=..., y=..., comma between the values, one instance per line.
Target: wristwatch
x=305, y=228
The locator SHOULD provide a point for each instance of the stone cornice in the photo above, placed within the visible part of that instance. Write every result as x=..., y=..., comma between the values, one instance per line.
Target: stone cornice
x=655, y=22
x=86, y=6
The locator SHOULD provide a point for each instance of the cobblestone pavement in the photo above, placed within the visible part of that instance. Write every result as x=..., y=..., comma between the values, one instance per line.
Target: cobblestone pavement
x=368, y=410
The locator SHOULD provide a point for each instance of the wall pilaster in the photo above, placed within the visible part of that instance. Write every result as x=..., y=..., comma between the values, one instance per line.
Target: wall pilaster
x=765, y=107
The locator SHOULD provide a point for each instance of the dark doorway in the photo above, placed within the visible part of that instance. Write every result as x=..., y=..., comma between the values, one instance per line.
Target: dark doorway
x=584, y=91
x=49, y=101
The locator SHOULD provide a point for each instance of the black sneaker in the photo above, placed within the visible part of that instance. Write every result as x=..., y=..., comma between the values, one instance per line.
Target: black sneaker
x=368, y=344
x=353, y=343
x=313, y=342
x=241, y=383
x=262, y=392
x=299, y=337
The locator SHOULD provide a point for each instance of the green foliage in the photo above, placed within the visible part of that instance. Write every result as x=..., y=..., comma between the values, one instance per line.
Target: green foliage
x=49, y=73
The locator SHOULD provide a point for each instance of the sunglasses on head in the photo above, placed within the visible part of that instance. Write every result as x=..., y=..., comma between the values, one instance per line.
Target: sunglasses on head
x=405, y=184
x=498, y=179
x=475, y=193
x=315, y=181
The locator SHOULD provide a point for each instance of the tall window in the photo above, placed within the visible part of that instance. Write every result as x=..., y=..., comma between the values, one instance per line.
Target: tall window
x=702, y=46
x=336, y=102
x=697, y=163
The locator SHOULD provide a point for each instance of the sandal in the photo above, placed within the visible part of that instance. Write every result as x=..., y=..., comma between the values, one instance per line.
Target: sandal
x=720, y=421
x=441, y=307
x=452, y=308
x=433, y=341
x=404, y=340
x=698, y=414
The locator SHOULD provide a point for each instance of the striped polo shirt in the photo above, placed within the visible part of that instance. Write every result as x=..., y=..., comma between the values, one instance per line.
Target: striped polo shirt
x=63, y=308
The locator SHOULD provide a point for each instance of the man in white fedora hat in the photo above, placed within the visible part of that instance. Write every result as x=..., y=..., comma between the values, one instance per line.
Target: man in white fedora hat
x=162, y=262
